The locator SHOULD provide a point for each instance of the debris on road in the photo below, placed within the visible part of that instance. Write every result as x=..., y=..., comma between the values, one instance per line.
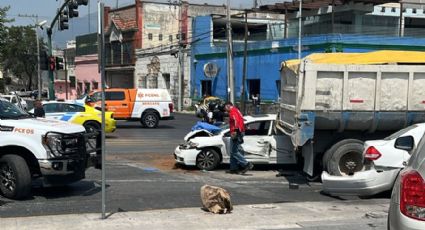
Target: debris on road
x=216, y=199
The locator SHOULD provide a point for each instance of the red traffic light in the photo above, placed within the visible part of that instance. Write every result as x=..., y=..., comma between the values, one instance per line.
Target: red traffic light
x=52, y=63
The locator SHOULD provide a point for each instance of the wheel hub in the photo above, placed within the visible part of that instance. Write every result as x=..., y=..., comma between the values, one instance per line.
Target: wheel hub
x=206, y=159
x=7, y=178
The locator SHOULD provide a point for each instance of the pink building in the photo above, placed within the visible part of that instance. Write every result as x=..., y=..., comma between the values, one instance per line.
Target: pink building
x=86, y=73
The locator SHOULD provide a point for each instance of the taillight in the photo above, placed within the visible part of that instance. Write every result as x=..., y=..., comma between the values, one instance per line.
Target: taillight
x=372, y=154
x=412, y=195
x=171, y=107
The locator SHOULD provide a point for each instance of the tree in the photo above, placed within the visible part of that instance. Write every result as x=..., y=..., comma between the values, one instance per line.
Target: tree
x=3, y=28
x=20, y=53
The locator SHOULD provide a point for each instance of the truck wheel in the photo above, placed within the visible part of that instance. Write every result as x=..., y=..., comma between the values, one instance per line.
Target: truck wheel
x=345, y=158
x=208, y=159
x=15, y=177
x=150, y=120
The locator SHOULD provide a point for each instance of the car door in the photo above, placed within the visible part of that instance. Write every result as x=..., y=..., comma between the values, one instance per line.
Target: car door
x=116, y=101
x=257, y=141
x=54, y=110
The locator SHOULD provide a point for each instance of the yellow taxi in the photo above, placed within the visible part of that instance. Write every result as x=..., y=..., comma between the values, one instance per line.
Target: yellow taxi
x=81, y=114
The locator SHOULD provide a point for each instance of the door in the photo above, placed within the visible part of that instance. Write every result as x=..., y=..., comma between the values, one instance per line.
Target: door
x=282, y=149
x=119, y=103
x=257, y=141
x=206, y=88
x=54, y=111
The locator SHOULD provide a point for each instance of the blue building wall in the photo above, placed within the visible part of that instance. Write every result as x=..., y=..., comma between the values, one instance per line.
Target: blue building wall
x=265, y=57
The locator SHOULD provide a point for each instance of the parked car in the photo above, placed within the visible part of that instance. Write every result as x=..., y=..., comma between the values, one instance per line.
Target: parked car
x=203, y=104
x=383, y=163
x=206, y=150
x=23, y=93
x=16, y=100
x=80, y=114
x=146, y=105
x=407, y=206
x=34, y=94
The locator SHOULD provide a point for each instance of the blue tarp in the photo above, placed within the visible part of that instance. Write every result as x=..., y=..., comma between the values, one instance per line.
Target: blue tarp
x=203, y=125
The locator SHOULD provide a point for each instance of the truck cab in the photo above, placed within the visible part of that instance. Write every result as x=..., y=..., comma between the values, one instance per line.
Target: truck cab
x=55, y=152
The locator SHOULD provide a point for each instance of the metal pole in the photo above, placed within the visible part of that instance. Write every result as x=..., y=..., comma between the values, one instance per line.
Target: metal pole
x=245, y=61
x=51, y=77
x=66, y=74
x=38, y=59
x=180, y=56
x=299, y=28
x=101, y=43
x=230, y=77
x=401, y=22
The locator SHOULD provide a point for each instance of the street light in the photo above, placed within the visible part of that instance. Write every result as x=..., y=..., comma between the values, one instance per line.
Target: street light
x=39, y=25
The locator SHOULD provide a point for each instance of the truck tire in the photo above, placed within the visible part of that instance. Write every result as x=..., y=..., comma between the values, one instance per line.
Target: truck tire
x=150, y=119
x=207, y=159
x=344, y=158
x=15, y=177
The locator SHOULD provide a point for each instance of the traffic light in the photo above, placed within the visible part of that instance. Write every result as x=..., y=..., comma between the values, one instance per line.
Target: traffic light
x=59, y=63
x=83, y=2
x=63, y=20
x=73, y=9
x=52, y=63
x=44, y=60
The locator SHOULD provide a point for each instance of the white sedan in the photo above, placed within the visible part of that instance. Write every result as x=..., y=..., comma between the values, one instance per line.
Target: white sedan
x=206, y=150
x=383, y=163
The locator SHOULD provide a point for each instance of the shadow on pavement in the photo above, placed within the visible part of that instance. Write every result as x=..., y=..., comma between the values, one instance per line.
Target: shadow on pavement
x=81, y=188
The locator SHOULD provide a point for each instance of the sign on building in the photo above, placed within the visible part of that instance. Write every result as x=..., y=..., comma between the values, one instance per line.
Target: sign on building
x=211, y=69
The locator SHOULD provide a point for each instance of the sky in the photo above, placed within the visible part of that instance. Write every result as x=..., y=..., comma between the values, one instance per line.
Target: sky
x=46, y=9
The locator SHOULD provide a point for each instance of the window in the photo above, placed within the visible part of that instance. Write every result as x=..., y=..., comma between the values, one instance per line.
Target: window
x=150, y=36
x=383, y=9
x=259, y=128
x=72, y=80
x=14, y=101
x=160, y=37
x=52, y=108
x=95, y=85
x=115, y=96
x=183, y=36
x=393, y=9
x=278, y=87
x=116, y=52
x=70, y=108
x=253, y=87
x=166, y=77
x=206, y=87
x=170, y=38
x=414, y=10
x=87, y=87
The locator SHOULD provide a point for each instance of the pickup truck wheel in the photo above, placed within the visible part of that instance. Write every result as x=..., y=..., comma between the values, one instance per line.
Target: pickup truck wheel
x=15, y=177
x=150, y=120
x=208, y=159
x=346, y=159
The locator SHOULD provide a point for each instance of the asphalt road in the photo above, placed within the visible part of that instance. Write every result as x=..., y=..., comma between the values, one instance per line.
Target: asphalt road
x=141, y=176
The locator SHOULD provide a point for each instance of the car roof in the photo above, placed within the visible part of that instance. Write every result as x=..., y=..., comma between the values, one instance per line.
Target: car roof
x=260, y=117
x=62, y=102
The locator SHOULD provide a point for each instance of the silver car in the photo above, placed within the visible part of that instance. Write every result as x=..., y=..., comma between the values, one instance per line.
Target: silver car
x=407, y=207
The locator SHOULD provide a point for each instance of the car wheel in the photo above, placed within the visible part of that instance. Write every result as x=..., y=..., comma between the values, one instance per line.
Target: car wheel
x=15, y=177
x=150, y=120
x=92, y=126
x=207, y=159
x=346, y=159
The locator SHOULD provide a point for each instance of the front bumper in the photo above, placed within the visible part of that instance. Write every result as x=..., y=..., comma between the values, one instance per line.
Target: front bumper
x=364, y=183
x=186, y=156
x=111, y=126
x=52, y=167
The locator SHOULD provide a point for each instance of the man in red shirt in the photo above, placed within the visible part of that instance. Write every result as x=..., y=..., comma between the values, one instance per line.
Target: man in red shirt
x=238, y=163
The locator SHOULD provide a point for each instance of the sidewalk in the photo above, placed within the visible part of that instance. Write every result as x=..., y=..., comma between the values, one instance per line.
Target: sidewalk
x=364, y=214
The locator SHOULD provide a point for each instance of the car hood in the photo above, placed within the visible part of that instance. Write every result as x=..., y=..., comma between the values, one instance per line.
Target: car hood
x=43, y=125
x=197, y=133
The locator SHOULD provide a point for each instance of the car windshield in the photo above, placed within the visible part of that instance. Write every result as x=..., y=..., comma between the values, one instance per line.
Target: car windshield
x=400, y=132
x=11, y=111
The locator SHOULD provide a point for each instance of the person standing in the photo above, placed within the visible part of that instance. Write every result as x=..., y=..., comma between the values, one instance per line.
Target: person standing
x=256, y=103
x=38, y=109
x=238, y=163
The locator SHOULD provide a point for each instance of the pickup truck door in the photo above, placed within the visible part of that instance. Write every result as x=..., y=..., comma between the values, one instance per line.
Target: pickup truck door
x=257, y=141
x=118, y=101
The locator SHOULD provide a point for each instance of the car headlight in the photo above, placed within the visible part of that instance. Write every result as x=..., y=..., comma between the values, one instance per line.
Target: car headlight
x=192, y=145
x=58, y=145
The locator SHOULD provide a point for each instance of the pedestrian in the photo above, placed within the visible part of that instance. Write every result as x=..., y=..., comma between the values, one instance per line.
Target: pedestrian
x=256, y=103
x=38, y=109
x=238, y=163
x=218, y=114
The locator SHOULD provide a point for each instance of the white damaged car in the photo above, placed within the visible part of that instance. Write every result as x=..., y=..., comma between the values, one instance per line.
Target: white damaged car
x=383, y=163
x=261, y=145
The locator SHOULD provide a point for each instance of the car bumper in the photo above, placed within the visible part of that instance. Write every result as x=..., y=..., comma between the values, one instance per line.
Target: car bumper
x=398, y=220
x=364, y=183
x=111, y=126
x=63, y=167
x=186, y=156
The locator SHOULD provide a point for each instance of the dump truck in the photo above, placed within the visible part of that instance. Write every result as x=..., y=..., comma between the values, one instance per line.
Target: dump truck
x=332, y=102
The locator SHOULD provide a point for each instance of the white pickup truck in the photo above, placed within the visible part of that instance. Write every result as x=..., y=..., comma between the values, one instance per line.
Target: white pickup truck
x=31, y=148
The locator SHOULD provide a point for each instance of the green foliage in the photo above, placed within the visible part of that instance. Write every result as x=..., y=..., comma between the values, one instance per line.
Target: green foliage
x=3, y=28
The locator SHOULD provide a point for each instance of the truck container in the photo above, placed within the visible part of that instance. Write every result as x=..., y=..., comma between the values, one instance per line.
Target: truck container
x=331, y=103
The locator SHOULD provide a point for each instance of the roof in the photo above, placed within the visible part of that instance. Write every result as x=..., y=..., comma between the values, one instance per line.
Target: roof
x=371, y=58
x=261, y=117
x=122, y=24
x=316, y=4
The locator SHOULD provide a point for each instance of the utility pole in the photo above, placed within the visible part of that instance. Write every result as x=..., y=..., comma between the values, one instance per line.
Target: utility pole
x=38, y=51
x=245, y=63
x=65, y=67
x=181, y=60
x=230, y=77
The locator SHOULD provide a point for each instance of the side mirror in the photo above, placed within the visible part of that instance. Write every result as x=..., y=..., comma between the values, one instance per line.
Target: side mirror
x=405, y=143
